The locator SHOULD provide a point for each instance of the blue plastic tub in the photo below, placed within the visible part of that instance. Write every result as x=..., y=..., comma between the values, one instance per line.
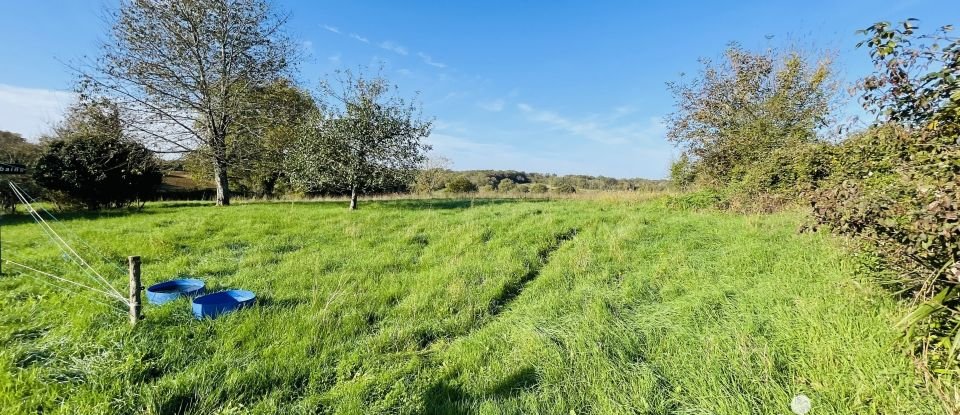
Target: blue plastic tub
x=213, y=305
x=168, y=291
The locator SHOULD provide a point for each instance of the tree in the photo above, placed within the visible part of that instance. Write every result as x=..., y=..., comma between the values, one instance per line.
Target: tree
x=506, y=185
x=432, y=175
x=461, y=184
x=366, y=138
x=739, y=111
x=93, y=163
x=179, y=70
x=259, y=149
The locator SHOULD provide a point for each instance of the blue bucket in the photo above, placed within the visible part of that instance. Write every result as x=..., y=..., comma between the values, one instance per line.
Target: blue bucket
x=168, y=291
x=213, y=305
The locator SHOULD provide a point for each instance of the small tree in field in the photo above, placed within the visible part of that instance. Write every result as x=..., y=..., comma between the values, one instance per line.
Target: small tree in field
x=366, y=138
x=180, y=71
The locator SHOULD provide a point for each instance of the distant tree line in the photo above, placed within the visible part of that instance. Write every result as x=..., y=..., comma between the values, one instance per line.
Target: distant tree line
x=511, y=181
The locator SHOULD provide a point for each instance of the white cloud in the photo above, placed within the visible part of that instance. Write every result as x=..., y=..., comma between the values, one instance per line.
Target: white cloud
x=360, y=38
x=429, y=61
x=492, y=106
x=335, y=59
x=331, y=29
x=393, y=47
x=31, y=112
x=607, y=131
x=307, y=46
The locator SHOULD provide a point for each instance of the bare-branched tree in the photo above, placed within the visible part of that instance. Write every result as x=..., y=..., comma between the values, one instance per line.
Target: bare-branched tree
x=180, y=71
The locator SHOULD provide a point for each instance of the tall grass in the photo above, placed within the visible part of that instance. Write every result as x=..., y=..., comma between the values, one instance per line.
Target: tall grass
x=458, y=306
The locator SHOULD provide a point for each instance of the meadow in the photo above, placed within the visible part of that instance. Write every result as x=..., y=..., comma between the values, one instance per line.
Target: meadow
x=456, y=306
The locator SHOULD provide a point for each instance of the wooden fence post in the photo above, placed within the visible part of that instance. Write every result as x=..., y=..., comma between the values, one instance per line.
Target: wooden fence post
x=136, y=308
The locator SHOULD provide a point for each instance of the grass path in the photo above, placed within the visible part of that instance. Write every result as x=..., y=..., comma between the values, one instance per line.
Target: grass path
x=455, y=307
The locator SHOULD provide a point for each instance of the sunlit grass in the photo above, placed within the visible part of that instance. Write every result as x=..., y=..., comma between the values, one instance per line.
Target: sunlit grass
x=458, y=306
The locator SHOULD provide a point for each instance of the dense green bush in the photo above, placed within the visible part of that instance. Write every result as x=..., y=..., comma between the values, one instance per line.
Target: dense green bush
x=461, y=184
x=98, y=172
x=506, y=185
x=538, y=188
x=92, y=163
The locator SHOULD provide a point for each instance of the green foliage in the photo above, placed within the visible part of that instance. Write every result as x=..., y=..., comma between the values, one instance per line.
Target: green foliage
x=14, y=149
x=752, y=122
x=367, y=139
x=258, y=150
x=486, y=188
x=538, y=188
x=682, y=172
x=92, y=163
x=895, y=187
x=502, y=307
x=523, y=188
x=506, y=185
x=461, y=184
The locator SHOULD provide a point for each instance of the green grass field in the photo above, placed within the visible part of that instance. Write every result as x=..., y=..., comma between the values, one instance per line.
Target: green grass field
x=553, y=307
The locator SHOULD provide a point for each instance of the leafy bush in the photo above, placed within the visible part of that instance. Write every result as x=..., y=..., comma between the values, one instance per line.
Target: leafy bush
x=93, y=164
x=98, y=171
x=506, y=185
x=523, y=188
x=895, y=187
x=486, y=188
x=538, y=188
x=461, y=184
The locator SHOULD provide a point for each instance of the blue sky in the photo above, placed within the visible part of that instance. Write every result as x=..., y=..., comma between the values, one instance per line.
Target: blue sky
x=552, y=86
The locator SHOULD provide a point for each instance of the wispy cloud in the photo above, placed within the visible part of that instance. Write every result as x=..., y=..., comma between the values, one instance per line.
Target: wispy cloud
x=31, y=112
x=331, y=28
x=307, y=46
x=429, y=61
x=393, y=47
x=360, y=38
x=335, y=59
x=493, y=106
x=602, y=130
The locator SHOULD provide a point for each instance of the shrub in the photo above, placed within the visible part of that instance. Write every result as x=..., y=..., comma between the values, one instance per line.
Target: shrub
x=523, y=188
x=538, y=188
x=461, y=184
x=506, y=185
x=896, y=187
x=98, y=171
x=486, y=188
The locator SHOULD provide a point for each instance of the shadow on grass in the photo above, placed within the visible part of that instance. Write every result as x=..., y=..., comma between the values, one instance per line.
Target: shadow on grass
x=446, y=398
x=21, y=216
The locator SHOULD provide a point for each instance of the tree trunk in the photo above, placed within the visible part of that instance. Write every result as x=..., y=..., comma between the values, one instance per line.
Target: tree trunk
x=353, y=197
x=220, y=178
